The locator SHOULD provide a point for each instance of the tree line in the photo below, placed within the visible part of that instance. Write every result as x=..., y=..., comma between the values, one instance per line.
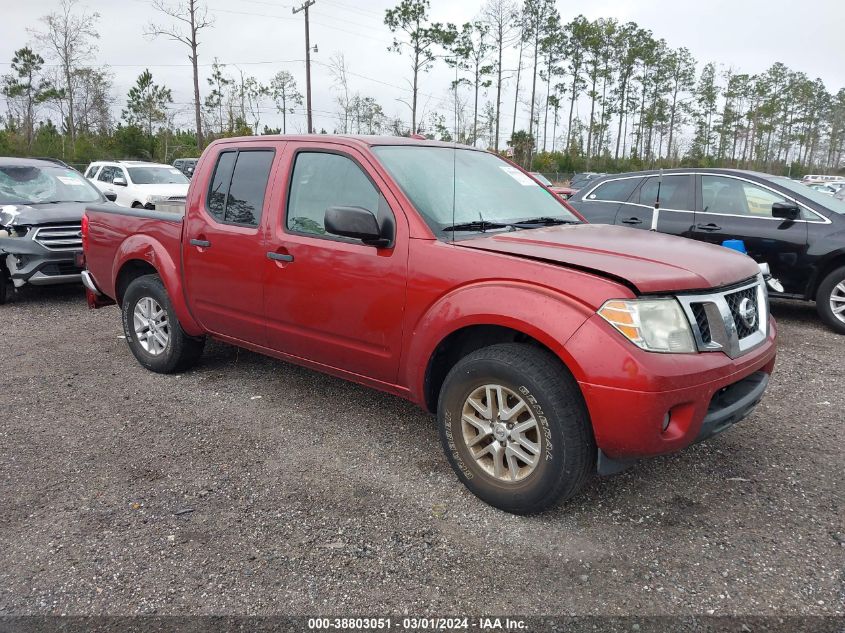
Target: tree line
x=557, y=96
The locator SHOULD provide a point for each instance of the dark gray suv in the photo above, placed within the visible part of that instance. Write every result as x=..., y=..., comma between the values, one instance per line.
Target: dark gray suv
x=41, y=206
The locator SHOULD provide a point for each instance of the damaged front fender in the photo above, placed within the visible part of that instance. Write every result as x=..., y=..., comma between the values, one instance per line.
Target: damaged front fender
x=16, y=252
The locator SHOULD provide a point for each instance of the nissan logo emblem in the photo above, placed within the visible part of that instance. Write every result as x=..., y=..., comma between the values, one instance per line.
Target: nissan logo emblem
x=748, y=312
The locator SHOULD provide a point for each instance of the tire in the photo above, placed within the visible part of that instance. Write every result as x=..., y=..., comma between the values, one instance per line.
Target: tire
x=550, y=396
x=5, y=282
x=831, y=289
x=180, y=351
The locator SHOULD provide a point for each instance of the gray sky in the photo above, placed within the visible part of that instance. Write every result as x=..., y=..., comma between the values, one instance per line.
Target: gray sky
x=748, y=35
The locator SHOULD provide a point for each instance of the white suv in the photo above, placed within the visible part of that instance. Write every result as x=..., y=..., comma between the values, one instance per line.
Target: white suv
x=137, y=183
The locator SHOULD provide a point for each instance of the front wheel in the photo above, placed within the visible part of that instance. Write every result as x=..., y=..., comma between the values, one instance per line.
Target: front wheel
x=830, y=300
x=5, y=282
x=515, y=428
x=152, y=330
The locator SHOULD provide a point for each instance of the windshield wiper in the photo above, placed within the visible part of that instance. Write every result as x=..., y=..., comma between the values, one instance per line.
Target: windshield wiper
x=542, y=221
x=476, y=225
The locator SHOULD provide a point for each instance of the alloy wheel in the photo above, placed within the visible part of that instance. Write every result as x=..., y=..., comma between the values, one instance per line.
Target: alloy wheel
x=837, y=301
x=501, y=433
x=151, y=327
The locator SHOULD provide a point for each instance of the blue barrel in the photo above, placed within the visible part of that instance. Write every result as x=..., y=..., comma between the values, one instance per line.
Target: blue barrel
x=737, y=245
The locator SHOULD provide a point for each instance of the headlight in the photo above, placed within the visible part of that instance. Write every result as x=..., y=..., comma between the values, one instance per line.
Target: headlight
x=153, y=198
x=655, y=325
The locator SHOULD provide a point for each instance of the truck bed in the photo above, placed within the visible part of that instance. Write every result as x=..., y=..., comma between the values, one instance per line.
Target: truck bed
x=111, y=229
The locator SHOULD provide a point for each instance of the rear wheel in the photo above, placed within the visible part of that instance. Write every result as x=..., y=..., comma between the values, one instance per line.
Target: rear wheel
x=830, y=300
x=515, y=428
x=152, y=328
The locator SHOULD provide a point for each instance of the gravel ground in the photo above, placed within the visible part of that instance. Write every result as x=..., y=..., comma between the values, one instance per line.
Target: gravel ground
x=249, y=486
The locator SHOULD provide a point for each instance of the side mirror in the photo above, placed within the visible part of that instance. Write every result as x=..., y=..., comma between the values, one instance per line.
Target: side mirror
x=357, y=223
x=111, y=197
x=120, y=182
x=786, y=210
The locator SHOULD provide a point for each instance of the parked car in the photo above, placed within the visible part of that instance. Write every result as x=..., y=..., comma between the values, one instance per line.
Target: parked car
x=818, y=178
x=138, y=183
x=563, y=192
x=186, y=166
x=56, y=161
x=579, y=181
x=836, y=184
x=41, y=205
x=822, y=188
x=798, y=232
x=549, y=348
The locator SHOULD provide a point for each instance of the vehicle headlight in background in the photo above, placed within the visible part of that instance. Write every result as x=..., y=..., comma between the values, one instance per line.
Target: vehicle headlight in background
x=655, y=325
x=156, y=198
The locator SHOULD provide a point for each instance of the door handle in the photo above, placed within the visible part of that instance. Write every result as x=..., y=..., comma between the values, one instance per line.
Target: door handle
x=708, y=227
x=201, y=243
x=280, y=257
x=632, y=221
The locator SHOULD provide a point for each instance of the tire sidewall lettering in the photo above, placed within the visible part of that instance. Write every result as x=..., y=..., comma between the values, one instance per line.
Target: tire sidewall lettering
x=453, y=448
x=542, y=419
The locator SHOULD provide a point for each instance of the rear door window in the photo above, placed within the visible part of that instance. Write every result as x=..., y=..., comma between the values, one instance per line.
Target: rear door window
x=676, y=192
x=91, y=171
x=237, y=190
x=106, y=174
x=614, y=190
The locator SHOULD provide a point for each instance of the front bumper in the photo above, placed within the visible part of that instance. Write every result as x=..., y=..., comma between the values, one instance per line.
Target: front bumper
x=629, y=393
x=28, y=262
x=732, y=403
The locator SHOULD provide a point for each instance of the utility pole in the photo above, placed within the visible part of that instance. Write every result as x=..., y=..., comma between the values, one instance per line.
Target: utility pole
x=304, y=8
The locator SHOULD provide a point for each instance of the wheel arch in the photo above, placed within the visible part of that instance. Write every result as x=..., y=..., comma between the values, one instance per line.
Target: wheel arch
x=461, y=323
x=460, y=344
x=140, y=255
x=129, y=272
x=834, y=261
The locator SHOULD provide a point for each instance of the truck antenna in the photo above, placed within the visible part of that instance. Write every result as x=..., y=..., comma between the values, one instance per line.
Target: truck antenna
x=656, y=215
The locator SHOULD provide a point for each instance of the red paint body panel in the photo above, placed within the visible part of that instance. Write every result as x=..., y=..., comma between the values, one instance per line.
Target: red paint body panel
x=629, y=392
x=116, y=240
x=377, y=315
x=653, y=262
x=563, y=192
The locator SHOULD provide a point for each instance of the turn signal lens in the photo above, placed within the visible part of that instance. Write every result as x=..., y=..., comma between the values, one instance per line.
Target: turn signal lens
x=655, y=325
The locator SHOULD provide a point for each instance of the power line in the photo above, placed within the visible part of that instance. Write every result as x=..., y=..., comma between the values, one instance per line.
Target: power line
x=287, y=19
x=358, y=10
x=205, y=65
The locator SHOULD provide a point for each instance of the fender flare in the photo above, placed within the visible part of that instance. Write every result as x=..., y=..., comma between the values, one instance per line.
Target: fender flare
x=149, y=250
x=524, y=307
x=825, y=265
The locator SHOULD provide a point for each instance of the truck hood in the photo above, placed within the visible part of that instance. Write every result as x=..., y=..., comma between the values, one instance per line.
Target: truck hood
x=35, y=214
x=651, y=262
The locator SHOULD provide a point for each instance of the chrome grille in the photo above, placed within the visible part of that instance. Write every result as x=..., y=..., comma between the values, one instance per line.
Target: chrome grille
x=60, y=237
x=701, y=321
x=732, y=321
x=176, y=199
x=736, y=302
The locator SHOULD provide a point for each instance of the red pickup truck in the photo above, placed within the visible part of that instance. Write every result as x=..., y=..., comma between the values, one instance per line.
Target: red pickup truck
x=549, y=349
